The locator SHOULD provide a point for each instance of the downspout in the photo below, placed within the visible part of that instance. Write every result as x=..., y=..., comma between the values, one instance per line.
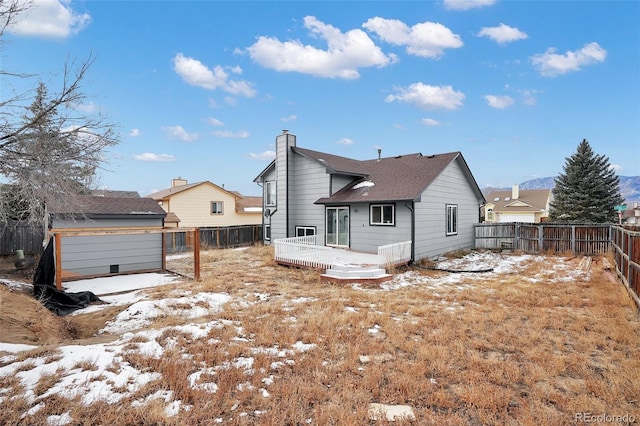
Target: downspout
x=411, y=207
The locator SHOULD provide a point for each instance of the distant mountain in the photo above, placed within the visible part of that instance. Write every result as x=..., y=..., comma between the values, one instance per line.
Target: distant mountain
x=629, y=186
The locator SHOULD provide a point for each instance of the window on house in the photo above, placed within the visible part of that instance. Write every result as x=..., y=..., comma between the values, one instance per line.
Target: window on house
x=270, y=193
x=489, y=215
x=267, y=232
x=216, y=207
x=382, y=214
x=452, y=219
x=303, y=231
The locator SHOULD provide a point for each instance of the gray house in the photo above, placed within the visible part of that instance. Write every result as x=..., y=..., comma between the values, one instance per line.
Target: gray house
x=431, y=200
x=102, y=235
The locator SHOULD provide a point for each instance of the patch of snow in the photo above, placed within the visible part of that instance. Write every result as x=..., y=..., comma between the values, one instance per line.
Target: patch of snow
x=364, y=184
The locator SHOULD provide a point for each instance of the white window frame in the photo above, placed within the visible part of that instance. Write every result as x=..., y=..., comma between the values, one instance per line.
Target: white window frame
x=216, y=211
x=270, y=193
x=392, y=220
x=267, y=232
x=308, y=230
x=452, y=219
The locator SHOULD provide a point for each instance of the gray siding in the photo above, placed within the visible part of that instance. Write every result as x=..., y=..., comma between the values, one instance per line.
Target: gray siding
x=93, y=255
x=339, y=181
x=310, y=183
x=284, y=156
x=368, y=238
x=451, y=187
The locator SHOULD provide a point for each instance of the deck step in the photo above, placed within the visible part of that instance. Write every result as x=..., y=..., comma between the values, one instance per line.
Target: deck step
x=356, y=274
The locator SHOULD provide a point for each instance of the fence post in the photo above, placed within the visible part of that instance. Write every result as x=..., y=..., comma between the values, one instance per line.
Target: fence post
x=573, y=239
x=516, y=236
x=196, y=254
x=540, y=239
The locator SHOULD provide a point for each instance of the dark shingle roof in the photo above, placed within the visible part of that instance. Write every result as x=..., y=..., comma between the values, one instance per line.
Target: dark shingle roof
x=335, y=163
x=399, y=178
x=89, y=205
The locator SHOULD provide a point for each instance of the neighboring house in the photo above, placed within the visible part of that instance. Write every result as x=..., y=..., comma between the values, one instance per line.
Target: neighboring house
x=631, y=216
x=204, y=204
x=432, y=201
x=516, y=205
x=102, y=235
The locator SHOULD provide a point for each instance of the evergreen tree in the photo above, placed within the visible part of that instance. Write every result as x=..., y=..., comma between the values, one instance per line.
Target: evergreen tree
x=587, y=191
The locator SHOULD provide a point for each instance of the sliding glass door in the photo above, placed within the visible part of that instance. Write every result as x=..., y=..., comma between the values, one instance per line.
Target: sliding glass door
x=338, y=226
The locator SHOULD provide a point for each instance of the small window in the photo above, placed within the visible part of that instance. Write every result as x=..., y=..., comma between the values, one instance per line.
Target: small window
x=303, y=231
x=216, y=207
x=270, y=193
x=490, y=215
x=267, y=232
x=452, y=219
x=382, y=214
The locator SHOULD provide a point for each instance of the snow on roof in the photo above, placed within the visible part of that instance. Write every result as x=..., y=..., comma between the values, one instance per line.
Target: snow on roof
x=364, y=184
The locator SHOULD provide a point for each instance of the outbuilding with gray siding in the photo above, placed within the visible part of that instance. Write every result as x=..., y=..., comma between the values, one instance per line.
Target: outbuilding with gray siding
x=100, y=235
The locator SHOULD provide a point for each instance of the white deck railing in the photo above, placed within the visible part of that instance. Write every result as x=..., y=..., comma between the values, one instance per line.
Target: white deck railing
x=394, y=254
x=306, y=251
x=311, y=252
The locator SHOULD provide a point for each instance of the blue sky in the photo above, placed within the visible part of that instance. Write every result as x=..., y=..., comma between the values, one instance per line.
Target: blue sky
x=200, y=89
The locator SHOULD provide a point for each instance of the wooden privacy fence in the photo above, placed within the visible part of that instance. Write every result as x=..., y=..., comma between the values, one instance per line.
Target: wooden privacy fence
x=216, y=237
x=626, y=246
x=542, y=237
x=19, y=236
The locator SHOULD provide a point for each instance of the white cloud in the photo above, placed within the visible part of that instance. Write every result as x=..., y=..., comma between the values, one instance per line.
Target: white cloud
x=551, y=64
x=214, y=121
x=502, y=34
x=427, y=39
x=529, y=97
x=289, y=118
x=499, y=102
x=345, y=54
x=49, y=19
x=148, y=156
x=231, y=135
x=428, y=97
x=467, y=4
x=616, y=168
x=134, y=133
x=345, y=141
x=266, y=155
x=197, y=74
x=430, y=122
x=177, y=132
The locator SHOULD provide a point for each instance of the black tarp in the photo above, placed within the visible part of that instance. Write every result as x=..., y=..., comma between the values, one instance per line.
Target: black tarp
x=44, y=288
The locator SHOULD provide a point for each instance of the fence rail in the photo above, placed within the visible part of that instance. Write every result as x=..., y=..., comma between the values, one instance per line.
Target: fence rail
x=394, y=254
x=308, y=251
x=539, y=238
x=215, y=237
x=626, y=246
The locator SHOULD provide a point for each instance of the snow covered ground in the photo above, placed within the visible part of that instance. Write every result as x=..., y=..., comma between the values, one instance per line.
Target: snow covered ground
x=99, y=371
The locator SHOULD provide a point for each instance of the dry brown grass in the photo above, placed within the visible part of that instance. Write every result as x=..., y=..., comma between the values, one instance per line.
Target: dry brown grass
x=504, y=350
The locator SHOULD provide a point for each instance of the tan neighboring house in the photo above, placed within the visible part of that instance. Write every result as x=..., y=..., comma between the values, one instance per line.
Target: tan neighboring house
x=528, y=206
x=205, y=204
